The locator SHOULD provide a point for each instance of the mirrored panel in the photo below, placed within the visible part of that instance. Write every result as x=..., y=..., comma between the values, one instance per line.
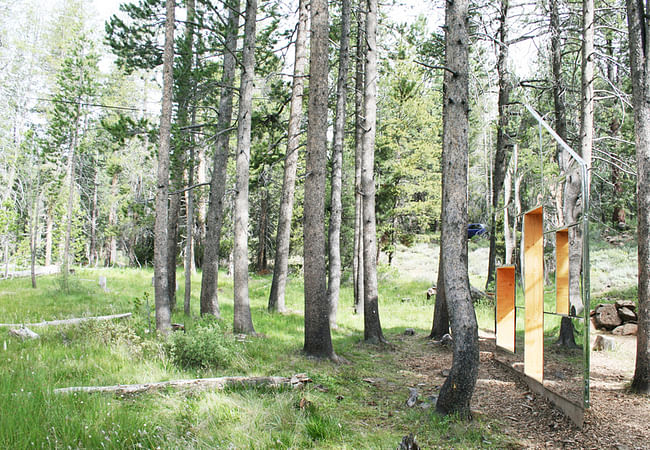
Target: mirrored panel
x=564, y=365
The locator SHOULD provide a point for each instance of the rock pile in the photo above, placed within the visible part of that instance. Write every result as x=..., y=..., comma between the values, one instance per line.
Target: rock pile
x=619, y=318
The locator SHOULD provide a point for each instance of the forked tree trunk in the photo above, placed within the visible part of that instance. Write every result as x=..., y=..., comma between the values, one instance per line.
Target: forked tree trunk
x=336, y=206
x=639, y=32
x=281, y=264
x=357, y=260
x=372, y=326
x=318, y=339
x=214, y=219
x=456, y=392
x=163, y=311
x=242, y=322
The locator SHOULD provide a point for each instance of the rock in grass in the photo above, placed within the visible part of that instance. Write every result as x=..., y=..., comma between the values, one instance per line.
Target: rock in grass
x=23, y=333
x=413, y=398
x=408, y=443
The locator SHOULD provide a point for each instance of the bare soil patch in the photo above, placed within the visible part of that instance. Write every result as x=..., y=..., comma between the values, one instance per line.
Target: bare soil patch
x=616, y=419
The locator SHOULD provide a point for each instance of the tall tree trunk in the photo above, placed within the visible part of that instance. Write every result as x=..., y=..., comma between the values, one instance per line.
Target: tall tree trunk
x=440, y=325
x=318, y=340
x=566, y=336
x=503, y=139
x=71, y=180
x=508, y=232
x=189, y=200
x=33, y=231
x=161, y=288
x=92, y=260
x=112, y=220
x=261, y=261
x=49, y=228
x=572, y=207
x=243, y=322
x=336, y=206
x=281, y=264
x=371, y=324
x=456, y=392
x=357, y=261
x=639, y=32
x=172, y=237
x=214, y=219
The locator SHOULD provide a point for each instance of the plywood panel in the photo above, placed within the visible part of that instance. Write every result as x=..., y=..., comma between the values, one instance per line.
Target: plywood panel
x=506, y=308
x=534, y=294
x=562, y=271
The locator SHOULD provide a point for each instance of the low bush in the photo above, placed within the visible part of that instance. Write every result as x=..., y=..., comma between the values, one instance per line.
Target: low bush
x=203, y=347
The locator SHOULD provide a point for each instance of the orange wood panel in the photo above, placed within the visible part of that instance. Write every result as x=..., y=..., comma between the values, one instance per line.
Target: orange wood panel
x=534, y=294
x=506, y=308
x=562, y=271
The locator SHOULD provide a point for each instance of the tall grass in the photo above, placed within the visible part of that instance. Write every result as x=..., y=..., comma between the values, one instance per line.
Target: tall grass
x=343, y=412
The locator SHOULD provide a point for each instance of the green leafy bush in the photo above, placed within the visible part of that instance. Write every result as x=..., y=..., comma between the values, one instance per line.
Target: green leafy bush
x=204, y=347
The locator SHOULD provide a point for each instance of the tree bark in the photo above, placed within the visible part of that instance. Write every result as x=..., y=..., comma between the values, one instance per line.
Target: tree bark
x=336, y=206
x=189, y=219
x=440, y=325
x=92, y=253
x=503, y=139
x=163, y=310
x=318, y=340
x=214, y=219
x=372, y=326
x=65, y=270
x=456, y=392
x=572, y=192
x=49, y=227
x=242, y=321
x=639, y=29
x=281, y=264
x=261, y=264
x=357, y=260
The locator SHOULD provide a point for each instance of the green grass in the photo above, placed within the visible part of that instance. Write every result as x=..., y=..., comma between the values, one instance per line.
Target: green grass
x=344, y=413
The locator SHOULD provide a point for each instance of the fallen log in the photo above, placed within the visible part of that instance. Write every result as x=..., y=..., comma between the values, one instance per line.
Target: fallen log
x=295, y=381
x=66, y=321
x=23, y=333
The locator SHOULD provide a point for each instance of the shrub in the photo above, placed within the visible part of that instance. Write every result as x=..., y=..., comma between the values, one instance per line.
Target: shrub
x=204, y=347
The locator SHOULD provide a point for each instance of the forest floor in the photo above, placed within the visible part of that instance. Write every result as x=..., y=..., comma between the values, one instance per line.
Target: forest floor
x=361, y=404
x=616, y=418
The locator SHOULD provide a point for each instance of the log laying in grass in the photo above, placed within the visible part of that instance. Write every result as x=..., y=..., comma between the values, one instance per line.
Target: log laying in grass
x=65, y=321
x=295, y=381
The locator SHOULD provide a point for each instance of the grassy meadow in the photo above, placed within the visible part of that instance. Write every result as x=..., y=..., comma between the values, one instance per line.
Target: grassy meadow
x=337, y=410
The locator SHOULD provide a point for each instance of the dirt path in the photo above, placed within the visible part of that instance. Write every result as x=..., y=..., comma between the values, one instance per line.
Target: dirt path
x=616, y=419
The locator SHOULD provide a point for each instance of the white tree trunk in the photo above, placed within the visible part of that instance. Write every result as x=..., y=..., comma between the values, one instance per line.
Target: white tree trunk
x=281, y=264
x=243, y=322
x=163, y=310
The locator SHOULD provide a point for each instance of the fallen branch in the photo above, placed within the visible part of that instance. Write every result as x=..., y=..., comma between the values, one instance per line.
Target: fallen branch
x=66, y=321
x=219, y=383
